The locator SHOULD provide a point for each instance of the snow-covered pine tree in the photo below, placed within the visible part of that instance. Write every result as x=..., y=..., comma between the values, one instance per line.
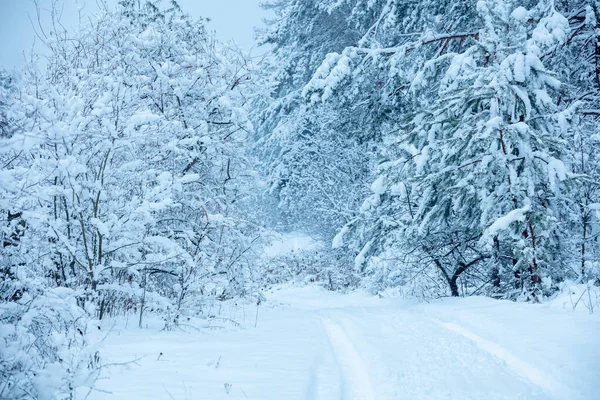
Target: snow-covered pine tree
x=309, y=153
x=481, y=145
x=488, y=163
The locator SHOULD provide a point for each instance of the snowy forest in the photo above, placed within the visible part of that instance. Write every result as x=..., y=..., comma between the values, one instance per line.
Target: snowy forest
x=428, y=149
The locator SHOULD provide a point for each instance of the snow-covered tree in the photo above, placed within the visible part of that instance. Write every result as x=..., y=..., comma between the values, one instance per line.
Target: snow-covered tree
x=45, y=349
x=122, y=187
x=476, y=180
x=307, y=152
x=342, y=70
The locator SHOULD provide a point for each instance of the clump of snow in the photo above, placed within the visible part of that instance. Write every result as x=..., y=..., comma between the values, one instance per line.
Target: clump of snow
x=189, y=178
x=398, y=189
x=361, y=257
x=100, y=226
x=319, y=79
x=551, y=30
x=379, y=186
x=520, y=14
x=519, y=68
x=556, y=171
x=338, y=240
x=370, y=203
x=504, y=222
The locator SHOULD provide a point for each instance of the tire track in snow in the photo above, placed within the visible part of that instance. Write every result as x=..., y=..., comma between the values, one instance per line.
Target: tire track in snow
x=520, y=367
x=325, y=379
x=356, y=384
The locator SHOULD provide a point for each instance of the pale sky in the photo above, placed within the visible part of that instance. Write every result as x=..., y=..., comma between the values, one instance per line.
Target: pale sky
x=232, y=19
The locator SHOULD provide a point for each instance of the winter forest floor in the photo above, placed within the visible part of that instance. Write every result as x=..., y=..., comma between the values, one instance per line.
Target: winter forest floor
x=313, y=344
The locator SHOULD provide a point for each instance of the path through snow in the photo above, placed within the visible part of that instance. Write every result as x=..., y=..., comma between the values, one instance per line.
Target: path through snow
x=356, y=382
x=315, y=345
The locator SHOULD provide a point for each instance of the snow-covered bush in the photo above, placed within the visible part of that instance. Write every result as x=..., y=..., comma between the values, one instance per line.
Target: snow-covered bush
x=122, y=178
x=578, y=297
x=45, y=350
x=326, y=268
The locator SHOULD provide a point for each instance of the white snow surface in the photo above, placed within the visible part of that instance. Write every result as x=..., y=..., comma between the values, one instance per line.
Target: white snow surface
x=292, y=242
x=312, y=344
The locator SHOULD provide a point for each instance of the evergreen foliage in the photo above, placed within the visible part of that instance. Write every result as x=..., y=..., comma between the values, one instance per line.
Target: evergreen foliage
x=477, y=132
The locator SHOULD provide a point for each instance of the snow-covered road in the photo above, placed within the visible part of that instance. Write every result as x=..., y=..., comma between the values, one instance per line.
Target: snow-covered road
x=311, y=344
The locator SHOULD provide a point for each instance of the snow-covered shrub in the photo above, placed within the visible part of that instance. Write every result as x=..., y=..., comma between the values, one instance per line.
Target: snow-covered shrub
x=45, y=352
x=578, y=296
x=329, y=269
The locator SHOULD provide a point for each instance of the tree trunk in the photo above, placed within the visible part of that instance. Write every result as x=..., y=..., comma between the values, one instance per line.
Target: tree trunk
x=454, y=286
x=143, y=299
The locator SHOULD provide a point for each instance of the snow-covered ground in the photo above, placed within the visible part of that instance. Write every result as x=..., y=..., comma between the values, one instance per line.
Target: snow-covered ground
x=287, y=243
x=312, y=344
